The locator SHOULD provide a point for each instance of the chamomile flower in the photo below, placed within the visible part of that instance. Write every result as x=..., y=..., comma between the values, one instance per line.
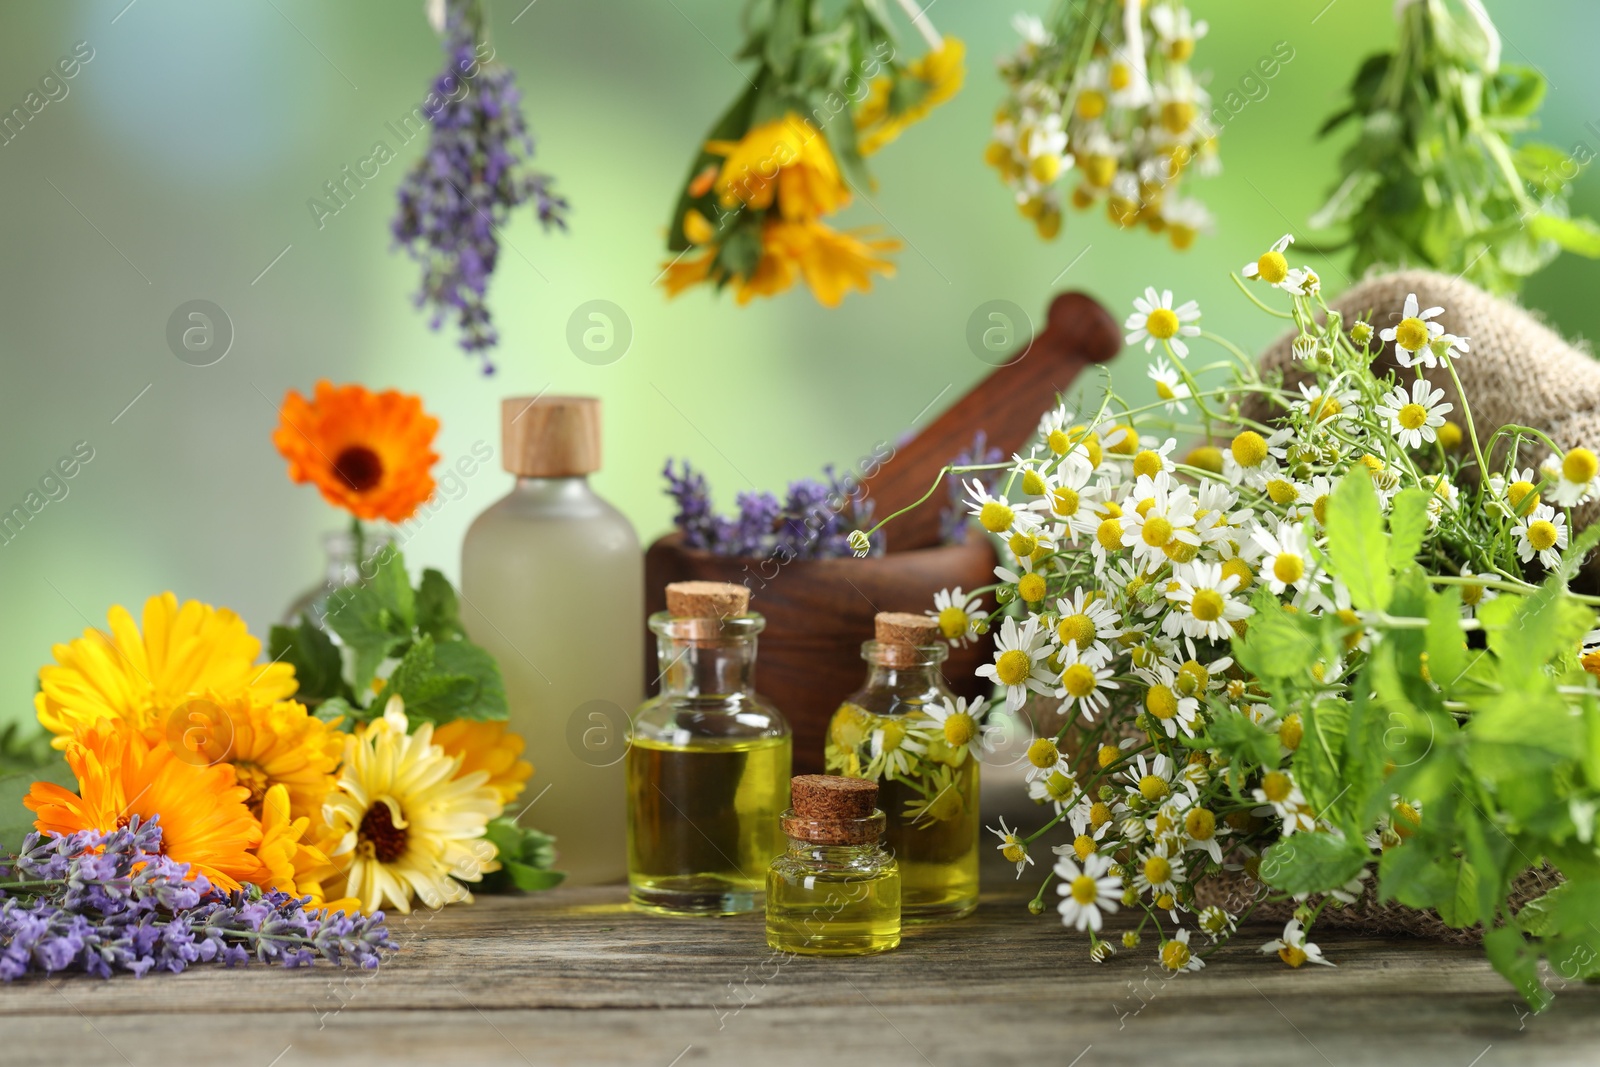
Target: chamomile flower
x=1302, y=281
x=1474, y=596
x=1086, y=891
x=1327, y=407
x=1251, y=458
x=1172, y=709
x=1019, y=662
x=1201, y=830
x=1170, y=385
x=1177, y=30
x=1176, y=956
x=1032, y=587
x=1293, y=948
x=1205, y=595
x=1090, y=622
x=1278, y=789
x=1511, y=494
x=1154, y=459
x=1155, y=319
x=1286, y=559
x=1084, y=680
x=1272, y=267
x=1542, y=533
x=958, y=615
x=1416, y=418
x=1151, y=782
x=1575, y=478
x=1186, y=218
x=896, y=743
x=1059, y=788
x=960, y=724
x=1158, y=871
x=1160, y=524
x=1012, y=846
x=994, y=513
x=1089, y=818
x=1414, y=334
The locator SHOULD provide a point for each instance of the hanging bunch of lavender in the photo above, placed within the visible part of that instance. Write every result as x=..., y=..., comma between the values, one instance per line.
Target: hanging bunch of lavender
x=814, y=522
x=474, y=174
x=111, y=902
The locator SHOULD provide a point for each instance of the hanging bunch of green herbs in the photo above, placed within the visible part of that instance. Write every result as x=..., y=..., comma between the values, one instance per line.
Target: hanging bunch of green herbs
x=1433, y=179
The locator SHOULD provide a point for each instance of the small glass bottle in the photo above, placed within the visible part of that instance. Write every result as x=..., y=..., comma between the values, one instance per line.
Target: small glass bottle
x=836, y=892
x=342, y=571
x=708, y=768
x=552, y=586
x=928, y=787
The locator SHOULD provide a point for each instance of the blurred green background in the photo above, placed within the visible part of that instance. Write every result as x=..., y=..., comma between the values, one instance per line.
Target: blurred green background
x=180, y=163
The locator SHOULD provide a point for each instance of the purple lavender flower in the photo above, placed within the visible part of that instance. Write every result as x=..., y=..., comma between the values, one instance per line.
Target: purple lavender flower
x=812, y=522
x=473, y=176
x=111, y=902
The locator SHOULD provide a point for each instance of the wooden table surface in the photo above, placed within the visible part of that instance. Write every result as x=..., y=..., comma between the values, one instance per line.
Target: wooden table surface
x=576, y=976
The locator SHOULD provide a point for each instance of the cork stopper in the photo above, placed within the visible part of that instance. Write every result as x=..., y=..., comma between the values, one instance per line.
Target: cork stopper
x=550, y=436
x=829, y=810
x=900, y=634
x=707, y=600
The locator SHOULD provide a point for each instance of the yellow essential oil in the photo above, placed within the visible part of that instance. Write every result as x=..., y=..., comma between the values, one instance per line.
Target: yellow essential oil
x=836, y=891
x=928, y=787
x=703, y=822
x=708, y=768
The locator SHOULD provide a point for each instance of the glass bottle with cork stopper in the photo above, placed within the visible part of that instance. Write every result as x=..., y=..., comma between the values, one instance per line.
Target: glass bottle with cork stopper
x=929, y=780
x=552, y=586
x=836, y=891
x=708, y=769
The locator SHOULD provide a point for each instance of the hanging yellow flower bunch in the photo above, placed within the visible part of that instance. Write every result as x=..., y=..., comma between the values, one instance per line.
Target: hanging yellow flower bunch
x=1104, y=89
x=831, y=90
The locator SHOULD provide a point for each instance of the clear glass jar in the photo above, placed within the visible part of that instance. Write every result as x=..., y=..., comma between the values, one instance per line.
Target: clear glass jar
x=341, y=571
x=927, y=789
x=834, y=900
x=708, y=773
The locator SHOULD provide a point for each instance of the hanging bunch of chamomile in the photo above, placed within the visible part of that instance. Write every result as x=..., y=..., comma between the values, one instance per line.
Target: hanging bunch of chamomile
x=1103, y=88
x=831, y=87
x=1432, y=179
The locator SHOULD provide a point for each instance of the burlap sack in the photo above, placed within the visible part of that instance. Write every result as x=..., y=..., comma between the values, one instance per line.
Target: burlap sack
x=1519, y=371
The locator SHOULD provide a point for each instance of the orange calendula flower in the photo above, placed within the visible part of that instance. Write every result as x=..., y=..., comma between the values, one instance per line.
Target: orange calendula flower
x=369, y=453
x=832, y=261
x=786, y=160
x=269, y=745
x=140, y=679
x=487, y=746
x=204, y=821
x=941, y=71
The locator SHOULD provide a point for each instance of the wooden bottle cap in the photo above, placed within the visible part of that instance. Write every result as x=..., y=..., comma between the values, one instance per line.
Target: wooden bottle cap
x=550, y=436
x=707, y=600
x=904, y=628
x=829, y=810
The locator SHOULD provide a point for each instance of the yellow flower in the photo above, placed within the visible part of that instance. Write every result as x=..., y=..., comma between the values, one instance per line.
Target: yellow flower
x=941, y=71
x=831, y=261
x=487, y=746
x=786, y=159
x=285, y=852
x=184, y=652
x=407, y=824
x=269, y=745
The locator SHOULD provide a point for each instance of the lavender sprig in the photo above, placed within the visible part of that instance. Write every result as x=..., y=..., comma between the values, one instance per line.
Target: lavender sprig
x=454, y=199
x=813, y=522
x=103, y=903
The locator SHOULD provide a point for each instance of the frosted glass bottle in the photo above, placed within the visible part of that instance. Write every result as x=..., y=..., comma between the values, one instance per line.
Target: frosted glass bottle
x=552, y=584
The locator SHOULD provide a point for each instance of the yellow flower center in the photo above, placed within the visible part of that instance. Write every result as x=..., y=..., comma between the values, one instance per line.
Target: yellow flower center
x=1291, y=955
x=1282, y=491
x=1099, y=814
x=1091, y=104
x=953, y=622
x=1411, y=334
x=1157, y=870
x=1517, y=493
x=1064, y=501
x=995, y=517
x=1164, y=391
x=1272, y=267
x=1058, y=441
x=1157, y=531
x=1319, y=509
x=1059, y=786
x=1107, y=755
x=1120, y=76
x=1162, y=323
x=1176, y=115
x=1206, y=457
x=1043, y=753
x=959, y=729
x=1275, y=786
x=1207, y=605
x=1109, y=534
x=1175, y=955
x=1193, y=678
x=1471, y=595
x=1083, y=845
x=1084, y=890
x=1031, y=587
x=1013, y=667
x=1541, y=534
x=1291, y=730
x=1045, y=169
x=1407, y=820
x=1200, y=824
x=1590, y=662
x=1014, y=852
x=1079, y=628
x=1022, y=544
x=1180, y=551
x=1161, y=702
x=1078, y=680
x=1153, y=787
x=1147, y=462
x=1128, y=444
x=1412, y=416
x=1249, y=449
x=893, y=735
x=1288, y=568
x=1239, y=569
x=1033, y=483
x=1143, y=507
x=1450, y=436
x=1099, y=170
x=1325, y=408
x=1580, y=466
